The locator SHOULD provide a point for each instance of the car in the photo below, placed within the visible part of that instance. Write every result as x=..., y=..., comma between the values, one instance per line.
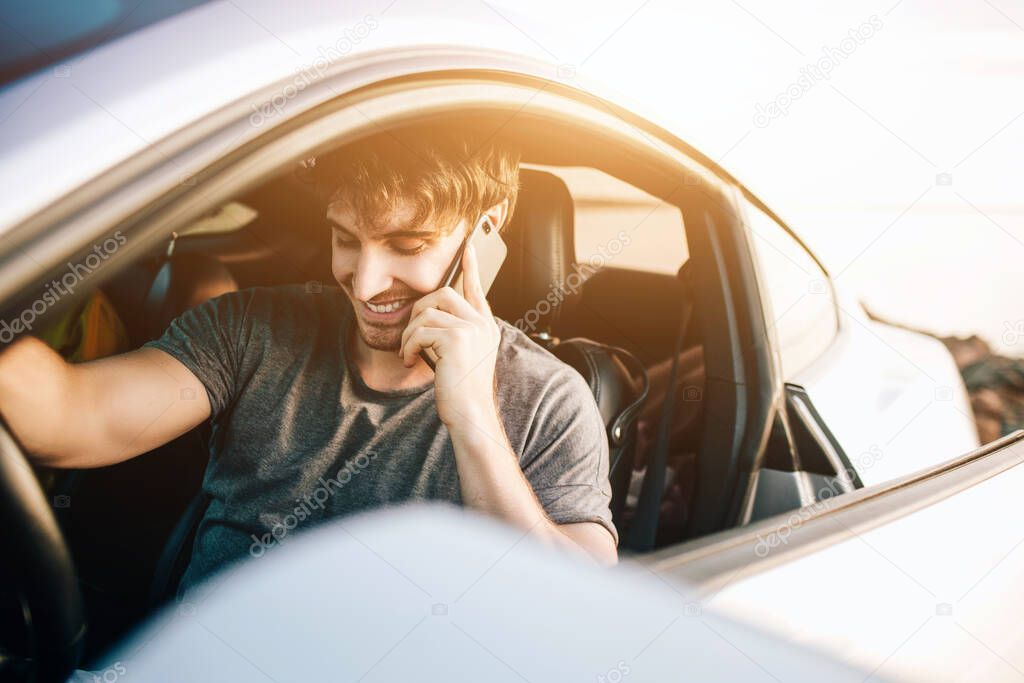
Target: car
x=633, y=257
x=277, y=617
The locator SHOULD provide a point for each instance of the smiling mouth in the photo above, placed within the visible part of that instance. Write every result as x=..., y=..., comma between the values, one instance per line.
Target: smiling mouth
x=386, y=311
x=386, y=307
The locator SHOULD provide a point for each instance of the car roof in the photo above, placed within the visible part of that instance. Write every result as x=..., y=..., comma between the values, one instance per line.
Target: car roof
x=34, y=35
x=68, y=123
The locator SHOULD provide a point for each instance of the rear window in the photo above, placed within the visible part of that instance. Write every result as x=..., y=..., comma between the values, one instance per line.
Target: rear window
x=619, y=225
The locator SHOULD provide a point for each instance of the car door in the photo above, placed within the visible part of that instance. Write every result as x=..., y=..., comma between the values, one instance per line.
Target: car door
x=916, y=578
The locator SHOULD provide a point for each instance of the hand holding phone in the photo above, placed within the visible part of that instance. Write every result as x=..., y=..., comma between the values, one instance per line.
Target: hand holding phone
x=490, y=252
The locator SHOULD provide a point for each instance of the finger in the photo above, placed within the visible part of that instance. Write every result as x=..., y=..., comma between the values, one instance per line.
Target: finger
x=444, y=299
x=471, y=280
x=422, y=338
x=430, y=317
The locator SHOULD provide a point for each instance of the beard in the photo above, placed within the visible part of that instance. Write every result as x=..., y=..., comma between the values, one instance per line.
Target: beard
x=382, y=337
x=376, y=335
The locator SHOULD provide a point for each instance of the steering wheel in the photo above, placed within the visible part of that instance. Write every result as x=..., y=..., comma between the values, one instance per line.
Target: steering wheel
x=37, y=570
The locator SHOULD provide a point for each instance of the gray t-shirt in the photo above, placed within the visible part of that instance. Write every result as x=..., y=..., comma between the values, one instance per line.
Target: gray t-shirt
x=298, y=437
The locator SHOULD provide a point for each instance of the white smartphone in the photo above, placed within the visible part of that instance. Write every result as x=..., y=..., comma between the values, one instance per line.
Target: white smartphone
x=490, y=255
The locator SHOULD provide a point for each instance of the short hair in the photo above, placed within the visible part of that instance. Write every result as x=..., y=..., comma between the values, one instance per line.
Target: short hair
x=445, y=174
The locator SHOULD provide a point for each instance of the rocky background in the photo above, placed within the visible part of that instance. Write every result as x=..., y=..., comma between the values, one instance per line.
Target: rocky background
x=995, y=384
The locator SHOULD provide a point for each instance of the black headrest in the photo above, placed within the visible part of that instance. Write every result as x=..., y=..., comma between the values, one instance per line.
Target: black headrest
x=534, y=283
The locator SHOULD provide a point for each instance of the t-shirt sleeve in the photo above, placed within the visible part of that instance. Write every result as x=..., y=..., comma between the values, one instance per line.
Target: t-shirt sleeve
x=566, y=459
x=208, y=340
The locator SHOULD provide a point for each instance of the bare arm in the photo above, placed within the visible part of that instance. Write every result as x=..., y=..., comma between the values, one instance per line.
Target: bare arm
x=100, y=412
x=491, y=480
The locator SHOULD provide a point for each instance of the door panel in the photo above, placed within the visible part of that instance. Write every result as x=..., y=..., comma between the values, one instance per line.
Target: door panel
x=894, y=399
x=887, y=578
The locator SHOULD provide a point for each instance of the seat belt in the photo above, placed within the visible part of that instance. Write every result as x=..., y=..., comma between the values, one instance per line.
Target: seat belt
x=644, y=528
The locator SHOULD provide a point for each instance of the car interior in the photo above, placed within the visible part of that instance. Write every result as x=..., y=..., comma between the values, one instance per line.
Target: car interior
x=130, y=526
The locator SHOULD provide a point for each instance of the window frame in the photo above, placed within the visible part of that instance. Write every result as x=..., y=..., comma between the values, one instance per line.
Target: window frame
x=157, y=190
x=745, y=201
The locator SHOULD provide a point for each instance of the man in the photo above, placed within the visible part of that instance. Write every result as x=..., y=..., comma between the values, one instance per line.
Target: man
x=321, y=404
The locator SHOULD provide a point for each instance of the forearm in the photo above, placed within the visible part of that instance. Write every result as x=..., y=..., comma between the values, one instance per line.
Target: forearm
x=491, y=481
x=35, y=390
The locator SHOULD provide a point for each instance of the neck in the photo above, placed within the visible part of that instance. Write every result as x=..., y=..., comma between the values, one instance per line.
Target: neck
x=383, y=370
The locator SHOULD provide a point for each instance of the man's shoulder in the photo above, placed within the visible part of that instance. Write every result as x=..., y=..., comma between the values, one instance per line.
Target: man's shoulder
x=283, y=302
x=526, y=365
x=309, y=292
x=526, y=354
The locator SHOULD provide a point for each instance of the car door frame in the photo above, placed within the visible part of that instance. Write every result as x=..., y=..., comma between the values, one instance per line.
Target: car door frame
x=150, y=194
x=705, y=565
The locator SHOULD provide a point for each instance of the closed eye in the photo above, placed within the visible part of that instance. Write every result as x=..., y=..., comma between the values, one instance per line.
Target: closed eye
x=407, y=246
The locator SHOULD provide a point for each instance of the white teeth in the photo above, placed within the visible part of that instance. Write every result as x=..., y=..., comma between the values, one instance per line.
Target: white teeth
x=386, y=308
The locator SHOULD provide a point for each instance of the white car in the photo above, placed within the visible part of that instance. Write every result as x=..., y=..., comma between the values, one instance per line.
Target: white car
x=167, y=163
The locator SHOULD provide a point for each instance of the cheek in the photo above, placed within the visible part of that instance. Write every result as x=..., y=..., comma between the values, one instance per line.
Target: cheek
x=422, y=273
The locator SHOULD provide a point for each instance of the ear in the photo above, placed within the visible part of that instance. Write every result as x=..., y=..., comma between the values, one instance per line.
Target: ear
x=498, y=213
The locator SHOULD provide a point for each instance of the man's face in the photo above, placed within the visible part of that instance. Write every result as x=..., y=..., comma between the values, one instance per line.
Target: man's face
x=389, y=264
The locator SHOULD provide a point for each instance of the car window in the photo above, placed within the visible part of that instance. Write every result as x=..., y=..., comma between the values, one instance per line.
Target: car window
x=619, y=225
x=797, y=294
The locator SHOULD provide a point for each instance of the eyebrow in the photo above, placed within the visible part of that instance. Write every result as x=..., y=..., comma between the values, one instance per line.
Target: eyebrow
x=394, y=233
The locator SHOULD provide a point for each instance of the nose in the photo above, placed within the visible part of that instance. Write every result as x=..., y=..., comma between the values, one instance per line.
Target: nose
x=372, y=274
